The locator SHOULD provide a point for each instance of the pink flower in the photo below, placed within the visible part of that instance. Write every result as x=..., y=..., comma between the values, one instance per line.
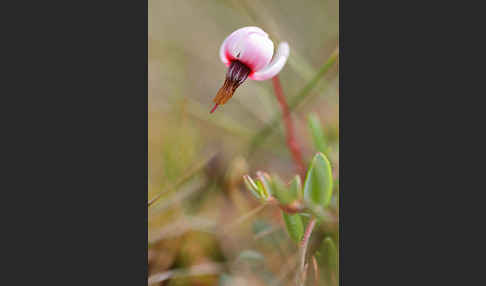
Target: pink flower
x=247, y=53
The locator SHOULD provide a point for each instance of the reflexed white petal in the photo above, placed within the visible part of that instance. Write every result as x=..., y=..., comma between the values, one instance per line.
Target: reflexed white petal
x=276, y=65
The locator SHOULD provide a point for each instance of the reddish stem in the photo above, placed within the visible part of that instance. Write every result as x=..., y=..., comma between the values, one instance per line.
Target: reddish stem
x=303, y=249
x=291, y=141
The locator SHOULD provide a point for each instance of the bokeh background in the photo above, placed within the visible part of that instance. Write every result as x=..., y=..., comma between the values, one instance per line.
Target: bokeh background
x=206, y=228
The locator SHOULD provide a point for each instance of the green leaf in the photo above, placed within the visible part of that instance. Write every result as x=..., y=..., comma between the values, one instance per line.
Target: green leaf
x=328, y=257
x=317, y=132
x=250, y=185
x=281, y=192
x=328, y=254
x=332, y=252
x=294, y=225
x=318, y=182
x=295, y=188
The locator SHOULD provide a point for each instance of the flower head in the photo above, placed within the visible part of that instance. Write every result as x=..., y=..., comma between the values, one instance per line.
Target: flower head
x=248, y=53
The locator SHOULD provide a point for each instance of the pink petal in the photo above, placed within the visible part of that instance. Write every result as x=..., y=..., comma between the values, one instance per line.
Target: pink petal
x=275, y=66
x=249, y=45
x=254, y=50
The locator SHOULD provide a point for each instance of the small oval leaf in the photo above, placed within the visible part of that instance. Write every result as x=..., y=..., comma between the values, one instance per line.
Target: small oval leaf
x=328, y=257
x=295, y=227
x=250, y=185
x=281, y=192
x=266, y=181
x=328, y=254
x=261, y=190
x=295, y=188
x=318, y=181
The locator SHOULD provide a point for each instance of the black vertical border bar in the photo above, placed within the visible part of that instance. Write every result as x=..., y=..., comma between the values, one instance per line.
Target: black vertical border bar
x=77, y=76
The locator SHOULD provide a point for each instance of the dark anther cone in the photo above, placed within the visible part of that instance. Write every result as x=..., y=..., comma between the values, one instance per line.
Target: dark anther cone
x=235, y=76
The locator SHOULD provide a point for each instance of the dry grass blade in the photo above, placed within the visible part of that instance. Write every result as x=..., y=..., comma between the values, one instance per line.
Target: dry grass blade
x=316, y=270
x=286, y=270
x=187, y=175
x=176, y=198
x=244, y=217
x=269, y=231
x=182, y=226
x=202, y=269
x=219, y=120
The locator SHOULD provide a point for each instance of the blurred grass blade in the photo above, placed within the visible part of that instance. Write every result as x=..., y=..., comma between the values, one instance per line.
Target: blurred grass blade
x=209, y=268
x=219, y=120
x=317, y=133
x=304, y=92
x=295, y=227
x=225, y=280
x=260, y=137
x=318, y=182
x=187, y=175
x=243, y=218
x=251, y=256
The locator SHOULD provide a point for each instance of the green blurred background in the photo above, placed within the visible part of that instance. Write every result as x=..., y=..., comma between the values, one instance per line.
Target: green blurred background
x=202, y=230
